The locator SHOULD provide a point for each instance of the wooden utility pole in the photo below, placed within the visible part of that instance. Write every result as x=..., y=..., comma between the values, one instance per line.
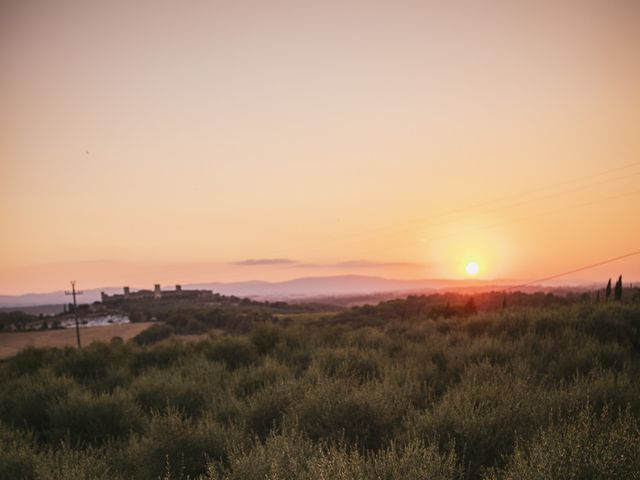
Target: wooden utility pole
x=75, y=307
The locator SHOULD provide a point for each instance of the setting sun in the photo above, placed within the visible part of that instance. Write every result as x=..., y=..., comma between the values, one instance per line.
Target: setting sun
x=472, y=268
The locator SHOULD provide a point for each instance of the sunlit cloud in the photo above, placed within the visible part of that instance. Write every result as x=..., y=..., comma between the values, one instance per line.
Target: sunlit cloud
x=264, y=261
x=355, y=264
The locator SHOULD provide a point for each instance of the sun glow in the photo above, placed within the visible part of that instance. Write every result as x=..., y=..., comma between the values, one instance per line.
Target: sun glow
x=472, y=268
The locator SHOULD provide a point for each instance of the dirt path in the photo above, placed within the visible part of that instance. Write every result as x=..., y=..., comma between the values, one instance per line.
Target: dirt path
x=12, y=342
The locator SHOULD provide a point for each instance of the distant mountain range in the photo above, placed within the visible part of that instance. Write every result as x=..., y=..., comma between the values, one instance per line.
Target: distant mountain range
x=297, y=289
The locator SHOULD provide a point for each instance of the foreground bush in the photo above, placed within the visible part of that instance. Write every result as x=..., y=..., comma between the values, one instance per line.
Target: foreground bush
x=290, y=455
x=17, y=454
x=176, y=446
x=159, y=391
x=20, y=459
x=597, y=447
x=233, y=352
x=363, y=415
x=27, y=402
x=86, y=418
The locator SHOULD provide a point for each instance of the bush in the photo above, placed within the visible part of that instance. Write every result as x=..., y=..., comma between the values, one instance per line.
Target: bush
x=265, y=338
x=87, y=418
x=27, y=402
x=411, y=462
x=176, y=446
x=154, y=334
x=265, y=410
x=591, y=446
x=160, y=356
x=30, y=360
x=364, y=416
x=282, y=456
x=482, y=416
x=233, y=352
x=75, y=464
x=100, y=366
x=160, y=390
x=248, y=380
x=184, y=323
x=290, y=455
x=17, y=455
x=348, y=363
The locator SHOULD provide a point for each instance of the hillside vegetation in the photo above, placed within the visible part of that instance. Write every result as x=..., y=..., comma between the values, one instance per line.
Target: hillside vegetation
x=516, y=393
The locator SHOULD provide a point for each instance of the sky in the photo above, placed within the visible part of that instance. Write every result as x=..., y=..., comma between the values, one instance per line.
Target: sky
x=188, y=141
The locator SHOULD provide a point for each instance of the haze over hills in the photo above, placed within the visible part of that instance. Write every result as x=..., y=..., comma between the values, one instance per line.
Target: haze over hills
x=299, y=288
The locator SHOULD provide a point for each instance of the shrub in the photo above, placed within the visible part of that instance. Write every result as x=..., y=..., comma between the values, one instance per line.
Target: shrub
x=290, y=455
x=154, y=334
x=87, y=418
x=100, y=366
x=591, y=446
x=160, y=356
x=233, y=352
x=248, y=380
x=348, y=363
x=265, y=338
x=17, y=456
x=414, y=461
x=179, y=445
x=600, y=387
x=482, y=416
x=298, y=358
x=75, y=464
x=363, y=416
x=30, y=360
x=185, y=324
x=266, y=409
x=26, y=402
x=161, y=390
x=282, y=456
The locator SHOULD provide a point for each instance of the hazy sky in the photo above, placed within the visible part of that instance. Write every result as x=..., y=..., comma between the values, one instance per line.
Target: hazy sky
x=171, y=141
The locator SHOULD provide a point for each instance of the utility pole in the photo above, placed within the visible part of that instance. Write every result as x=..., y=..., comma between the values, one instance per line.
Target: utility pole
x=75, y=307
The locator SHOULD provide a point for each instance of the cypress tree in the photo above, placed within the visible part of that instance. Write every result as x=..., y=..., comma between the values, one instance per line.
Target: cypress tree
x=617, y=293
x=608, y=291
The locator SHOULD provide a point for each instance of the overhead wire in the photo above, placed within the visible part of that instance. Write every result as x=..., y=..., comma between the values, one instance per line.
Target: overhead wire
x=548, y=212
x=575, y=270
x=358, y=238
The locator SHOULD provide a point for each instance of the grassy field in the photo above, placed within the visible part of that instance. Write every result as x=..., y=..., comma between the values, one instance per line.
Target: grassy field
x=304, y=317
x=12, y=342
x=519, y=393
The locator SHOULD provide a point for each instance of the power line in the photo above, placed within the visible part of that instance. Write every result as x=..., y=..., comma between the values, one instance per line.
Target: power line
x=576, y=270
x=494, y=209
x=548, y=212
x=497, y=204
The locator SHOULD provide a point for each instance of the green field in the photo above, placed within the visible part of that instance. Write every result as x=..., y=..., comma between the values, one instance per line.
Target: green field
x=516, y=393
x=304, y=317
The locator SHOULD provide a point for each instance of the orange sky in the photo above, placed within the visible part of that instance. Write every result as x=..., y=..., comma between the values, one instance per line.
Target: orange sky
x=165, y=141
